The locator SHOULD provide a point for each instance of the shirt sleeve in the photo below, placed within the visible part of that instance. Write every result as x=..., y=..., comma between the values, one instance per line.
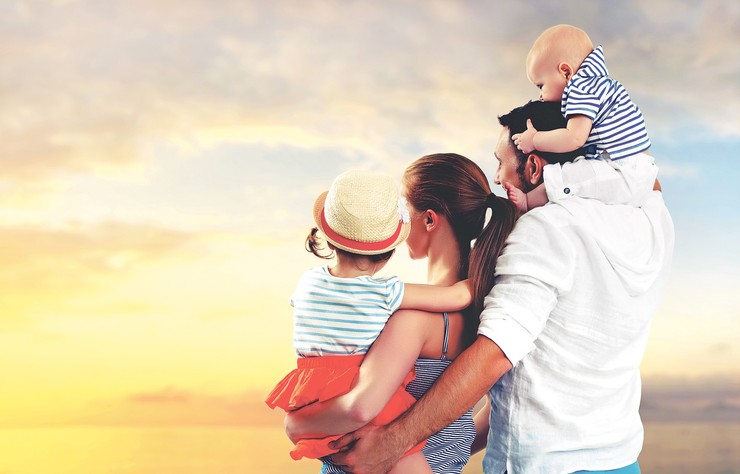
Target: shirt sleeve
x=625, y=181
x=536, y=266
x=580, y=100
x=296, y=291
x=394, y=293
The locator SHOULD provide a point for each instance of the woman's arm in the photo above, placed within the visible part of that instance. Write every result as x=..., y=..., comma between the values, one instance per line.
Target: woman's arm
x=383, y=370
x=436, y=299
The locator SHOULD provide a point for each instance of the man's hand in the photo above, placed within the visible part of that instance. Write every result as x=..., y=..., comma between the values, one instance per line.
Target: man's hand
x=369, y=450
x=525, y=140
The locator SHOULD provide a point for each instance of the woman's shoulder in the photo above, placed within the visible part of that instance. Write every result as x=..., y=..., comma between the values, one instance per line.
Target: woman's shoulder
x=413, y=321
x=427, y=317
x=429, y=327
x=416, y=316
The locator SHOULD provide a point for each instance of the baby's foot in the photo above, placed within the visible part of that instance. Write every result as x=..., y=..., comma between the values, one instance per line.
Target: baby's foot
x=517, y=196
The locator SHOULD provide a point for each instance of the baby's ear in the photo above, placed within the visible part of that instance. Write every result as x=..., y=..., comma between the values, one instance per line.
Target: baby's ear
x=565, y=69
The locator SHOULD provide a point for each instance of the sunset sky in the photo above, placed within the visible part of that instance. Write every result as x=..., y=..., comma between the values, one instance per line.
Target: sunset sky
x=160, y=160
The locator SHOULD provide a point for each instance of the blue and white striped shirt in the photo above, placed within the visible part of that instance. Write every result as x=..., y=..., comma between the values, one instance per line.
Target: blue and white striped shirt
x=618, y=126
x=341, y=316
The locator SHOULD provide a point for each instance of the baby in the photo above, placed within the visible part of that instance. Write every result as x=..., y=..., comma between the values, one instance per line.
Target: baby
x=617, y=167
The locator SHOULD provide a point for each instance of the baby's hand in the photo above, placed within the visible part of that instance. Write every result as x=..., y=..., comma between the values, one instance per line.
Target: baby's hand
x=517, y=196
x=525, y=140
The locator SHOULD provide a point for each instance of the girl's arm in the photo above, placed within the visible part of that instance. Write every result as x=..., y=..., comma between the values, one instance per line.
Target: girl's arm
x=383, y=370
x=436, y=299
x=560, y=140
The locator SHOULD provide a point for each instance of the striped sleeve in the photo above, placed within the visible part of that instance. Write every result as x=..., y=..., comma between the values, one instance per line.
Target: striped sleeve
x=394, y=293
x=581, y=101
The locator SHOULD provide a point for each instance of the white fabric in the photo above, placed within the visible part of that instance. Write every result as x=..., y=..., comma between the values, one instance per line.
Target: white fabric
x=626, y=181
x=576, y=287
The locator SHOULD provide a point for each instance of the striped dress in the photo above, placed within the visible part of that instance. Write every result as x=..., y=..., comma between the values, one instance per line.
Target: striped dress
x=448, y=450
x=618, y=125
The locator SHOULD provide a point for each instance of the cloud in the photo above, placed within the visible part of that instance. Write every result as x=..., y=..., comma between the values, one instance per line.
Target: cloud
x=44, y=269
x=163, y=396
x=683, y=68
x=702, y=399
x=177, y=407
x=676, y=170
x=92, y=86
x=675, y=400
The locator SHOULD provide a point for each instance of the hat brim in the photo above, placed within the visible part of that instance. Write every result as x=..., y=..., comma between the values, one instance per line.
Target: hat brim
x=353, y=246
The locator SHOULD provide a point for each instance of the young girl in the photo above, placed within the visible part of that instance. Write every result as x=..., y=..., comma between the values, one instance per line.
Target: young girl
x=448, y=198
x=340, y=310
x=617, y=168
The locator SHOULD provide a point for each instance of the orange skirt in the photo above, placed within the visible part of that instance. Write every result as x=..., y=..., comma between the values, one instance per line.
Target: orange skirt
x=318, y=379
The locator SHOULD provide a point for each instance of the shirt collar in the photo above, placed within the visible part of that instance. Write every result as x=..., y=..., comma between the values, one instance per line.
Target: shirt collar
x=594, y=65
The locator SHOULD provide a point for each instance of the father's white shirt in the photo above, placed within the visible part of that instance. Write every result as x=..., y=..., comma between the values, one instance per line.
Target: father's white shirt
x=576, y=288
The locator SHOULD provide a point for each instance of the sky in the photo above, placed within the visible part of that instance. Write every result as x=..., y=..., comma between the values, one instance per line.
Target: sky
x=160, y=160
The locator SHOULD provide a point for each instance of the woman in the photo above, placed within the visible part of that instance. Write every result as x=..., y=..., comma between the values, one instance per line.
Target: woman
x=448, y=196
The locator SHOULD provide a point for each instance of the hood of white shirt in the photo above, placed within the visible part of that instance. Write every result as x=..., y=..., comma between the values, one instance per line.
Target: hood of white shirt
x=637, y=264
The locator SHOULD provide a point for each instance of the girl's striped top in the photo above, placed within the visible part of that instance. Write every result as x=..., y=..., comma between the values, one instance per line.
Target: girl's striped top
x=341, y=316
x=618, y=126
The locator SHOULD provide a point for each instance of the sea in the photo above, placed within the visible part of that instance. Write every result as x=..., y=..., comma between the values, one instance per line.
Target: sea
x=670, y=448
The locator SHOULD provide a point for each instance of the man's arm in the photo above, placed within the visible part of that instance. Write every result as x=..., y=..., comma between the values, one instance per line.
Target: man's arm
x=377, y=449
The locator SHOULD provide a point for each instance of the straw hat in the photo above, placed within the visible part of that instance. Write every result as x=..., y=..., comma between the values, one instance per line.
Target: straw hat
x=362, y=213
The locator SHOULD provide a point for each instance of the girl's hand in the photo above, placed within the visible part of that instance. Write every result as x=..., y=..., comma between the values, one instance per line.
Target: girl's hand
x=525, y=140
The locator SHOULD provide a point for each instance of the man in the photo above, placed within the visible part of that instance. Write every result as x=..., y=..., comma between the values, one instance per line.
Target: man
x=561, y=335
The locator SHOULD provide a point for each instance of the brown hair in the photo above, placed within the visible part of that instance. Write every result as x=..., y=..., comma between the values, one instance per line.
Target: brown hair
x=315, y=245
x=457, y=188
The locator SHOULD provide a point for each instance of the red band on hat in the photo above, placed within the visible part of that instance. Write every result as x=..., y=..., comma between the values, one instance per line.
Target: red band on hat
x=353, y=244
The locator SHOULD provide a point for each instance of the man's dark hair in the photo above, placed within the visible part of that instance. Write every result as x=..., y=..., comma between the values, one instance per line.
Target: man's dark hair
x=544, y=116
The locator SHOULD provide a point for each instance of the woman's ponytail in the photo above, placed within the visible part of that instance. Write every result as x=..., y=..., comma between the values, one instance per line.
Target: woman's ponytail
x=457, y=188
x=485, y=252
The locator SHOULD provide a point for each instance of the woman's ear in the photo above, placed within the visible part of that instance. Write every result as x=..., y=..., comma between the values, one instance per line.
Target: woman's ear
x=431, y=219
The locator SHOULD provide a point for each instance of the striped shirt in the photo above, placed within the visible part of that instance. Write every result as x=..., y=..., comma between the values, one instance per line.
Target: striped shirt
x=618, y=126
x=341, y=316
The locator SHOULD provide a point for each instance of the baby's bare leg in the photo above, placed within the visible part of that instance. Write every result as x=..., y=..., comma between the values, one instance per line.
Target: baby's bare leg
x=516, y=196
x=412, y=464
x=537, y=197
